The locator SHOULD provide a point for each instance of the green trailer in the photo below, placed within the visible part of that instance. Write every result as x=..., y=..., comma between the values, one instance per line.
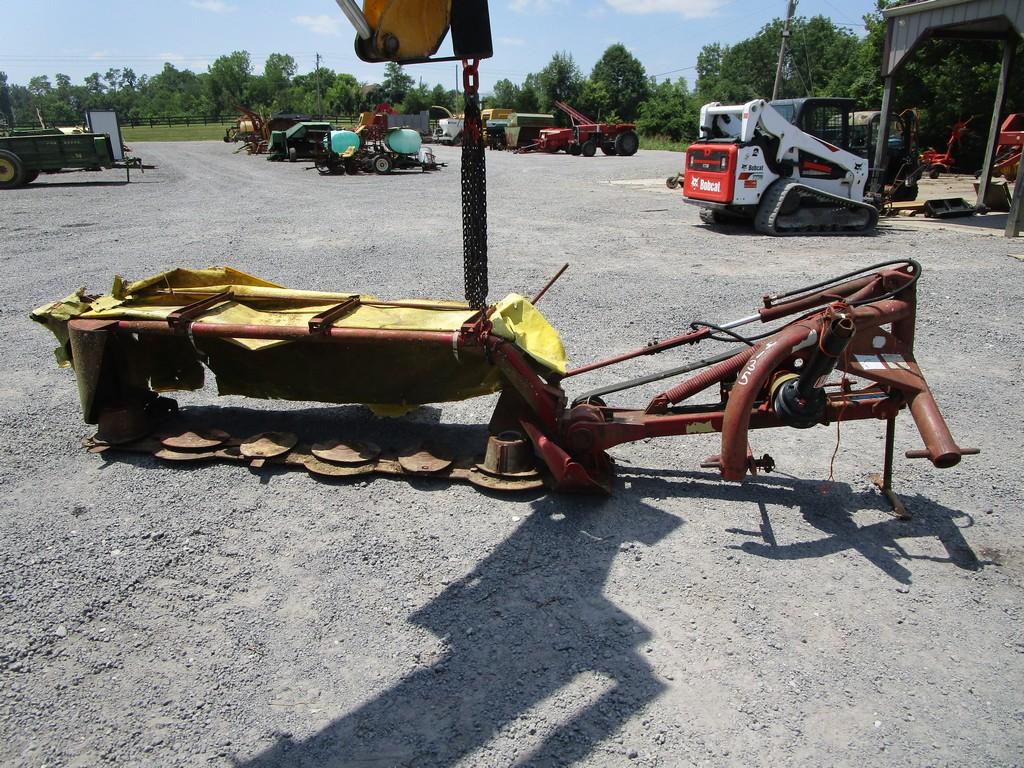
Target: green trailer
x=26, y=154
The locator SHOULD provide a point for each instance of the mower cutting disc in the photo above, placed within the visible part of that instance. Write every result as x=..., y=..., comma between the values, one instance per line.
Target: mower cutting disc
x=168, y=454
x=267, y=445
x=195, y=440
x=325, y=469
x=346, y=453
x=423, y=462
x=526, y=482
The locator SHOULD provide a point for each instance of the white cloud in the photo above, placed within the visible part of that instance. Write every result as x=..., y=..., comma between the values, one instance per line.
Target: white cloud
x=213, y=6
x=535, y=6
x=689, y=9
x=511, y=41
x=99, y=55
x=329, y=26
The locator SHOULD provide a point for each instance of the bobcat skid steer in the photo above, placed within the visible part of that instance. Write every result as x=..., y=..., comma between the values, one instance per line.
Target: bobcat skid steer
x=751, y=162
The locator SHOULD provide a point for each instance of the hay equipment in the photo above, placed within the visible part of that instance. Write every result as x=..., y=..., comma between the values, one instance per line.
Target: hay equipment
x=585, y=137
x=836, y=351
x=301, y=141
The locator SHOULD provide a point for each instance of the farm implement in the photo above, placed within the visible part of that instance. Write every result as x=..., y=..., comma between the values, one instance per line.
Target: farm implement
x=935, y=162
x=1008, y=151
x=28, y=153
x=373, y=147
x=836, y=351
x=843, y=352
x=585, y=137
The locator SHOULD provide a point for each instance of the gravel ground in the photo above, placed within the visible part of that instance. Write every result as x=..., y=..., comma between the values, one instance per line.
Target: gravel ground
x=162, y=617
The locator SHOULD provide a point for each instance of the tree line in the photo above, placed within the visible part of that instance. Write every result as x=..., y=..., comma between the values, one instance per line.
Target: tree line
x=945, y=80
x=230, y=81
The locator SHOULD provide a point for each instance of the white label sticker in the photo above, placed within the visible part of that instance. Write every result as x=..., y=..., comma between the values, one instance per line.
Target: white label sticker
x=879, y=362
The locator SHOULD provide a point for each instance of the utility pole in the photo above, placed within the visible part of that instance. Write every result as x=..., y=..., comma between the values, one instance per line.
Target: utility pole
x=319, y=106
x=790, y=9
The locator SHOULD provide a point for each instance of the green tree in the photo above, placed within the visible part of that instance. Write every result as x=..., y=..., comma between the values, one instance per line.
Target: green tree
x=396, y=83
x=670, y=110
x=6, y=106
x=39, y=85
x=623, y=79
x=228, y=79
x=529, y=99
x=560, y=80
x=345, y=95
x=819, y=60
x=417, y=100
x=595, y=102
x=505, y=94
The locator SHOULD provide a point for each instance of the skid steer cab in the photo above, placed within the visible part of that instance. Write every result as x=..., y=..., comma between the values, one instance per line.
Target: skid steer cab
x=752, y=162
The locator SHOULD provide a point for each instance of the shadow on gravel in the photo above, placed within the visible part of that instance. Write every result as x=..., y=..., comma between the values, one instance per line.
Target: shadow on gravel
x=744, y=229
x=829, y=507
x=52, y=184
x=539, y=622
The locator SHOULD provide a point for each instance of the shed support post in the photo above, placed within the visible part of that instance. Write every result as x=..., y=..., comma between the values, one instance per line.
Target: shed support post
x=1015, y=220
x=1009, y=51
x=882, y=147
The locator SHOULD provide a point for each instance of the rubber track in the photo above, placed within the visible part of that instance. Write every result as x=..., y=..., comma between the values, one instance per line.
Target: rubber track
x=768, y=212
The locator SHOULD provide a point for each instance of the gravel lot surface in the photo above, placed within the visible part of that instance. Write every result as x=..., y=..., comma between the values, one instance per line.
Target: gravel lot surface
x=154, y=616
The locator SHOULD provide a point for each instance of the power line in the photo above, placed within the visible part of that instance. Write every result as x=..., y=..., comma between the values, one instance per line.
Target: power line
x=673, y=71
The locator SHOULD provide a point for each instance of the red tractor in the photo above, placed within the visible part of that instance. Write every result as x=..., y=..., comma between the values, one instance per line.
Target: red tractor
x=586, y=136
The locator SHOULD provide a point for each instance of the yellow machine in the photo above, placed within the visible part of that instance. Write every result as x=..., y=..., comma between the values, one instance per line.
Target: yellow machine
x=410, y=31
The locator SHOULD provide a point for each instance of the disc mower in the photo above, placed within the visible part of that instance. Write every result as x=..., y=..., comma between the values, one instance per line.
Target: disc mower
x=835, y=351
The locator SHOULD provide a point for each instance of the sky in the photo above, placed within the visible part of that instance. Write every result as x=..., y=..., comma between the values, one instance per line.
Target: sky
x=77, y=38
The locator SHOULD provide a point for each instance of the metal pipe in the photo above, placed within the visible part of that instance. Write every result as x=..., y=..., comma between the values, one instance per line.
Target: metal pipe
x=286, y=332
x=817, y=299
x=762, y=362
x=833, y=342
x=356, y=18
x=652, y=349
x=542, y=291
x=943, y=452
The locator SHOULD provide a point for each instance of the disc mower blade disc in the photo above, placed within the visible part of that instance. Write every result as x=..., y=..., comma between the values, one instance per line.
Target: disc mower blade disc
x=324, y=469
x=169, y=454
x=528, y=475
x=338, y=452
x=423, y=462
x=267, y=445
x=195, y=440
x=496, y=483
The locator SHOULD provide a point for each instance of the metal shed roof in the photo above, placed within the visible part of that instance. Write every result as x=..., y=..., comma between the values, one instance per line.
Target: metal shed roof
x=908, y=25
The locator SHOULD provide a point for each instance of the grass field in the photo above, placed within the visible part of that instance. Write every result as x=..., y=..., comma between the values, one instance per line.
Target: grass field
x=662, y=142
x=175, y=133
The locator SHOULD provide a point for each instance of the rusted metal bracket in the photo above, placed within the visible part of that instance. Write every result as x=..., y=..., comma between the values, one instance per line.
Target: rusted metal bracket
x=322, y=323
x=180, y=319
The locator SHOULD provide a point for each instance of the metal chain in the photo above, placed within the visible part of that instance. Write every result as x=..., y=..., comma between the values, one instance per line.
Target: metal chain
x=474, y=191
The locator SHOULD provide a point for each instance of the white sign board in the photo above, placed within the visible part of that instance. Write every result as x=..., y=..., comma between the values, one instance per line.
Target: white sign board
x=105, y=121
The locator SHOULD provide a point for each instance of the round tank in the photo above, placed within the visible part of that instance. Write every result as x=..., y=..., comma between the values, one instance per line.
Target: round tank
x=403, y=141
x=344, y=140
x=246, y=126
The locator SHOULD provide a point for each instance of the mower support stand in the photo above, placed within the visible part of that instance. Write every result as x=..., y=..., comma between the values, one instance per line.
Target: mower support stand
x=884, y=481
